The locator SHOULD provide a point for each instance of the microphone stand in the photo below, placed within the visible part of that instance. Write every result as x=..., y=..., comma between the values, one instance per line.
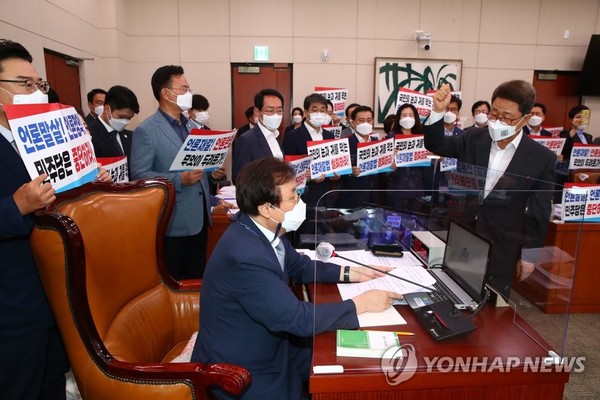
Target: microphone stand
x=385, y=272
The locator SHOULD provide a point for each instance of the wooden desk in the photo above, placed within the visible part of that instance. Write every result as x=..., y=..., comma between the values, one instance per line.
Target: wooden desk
x=496, y=335
x=585, y=297
x=220, y=222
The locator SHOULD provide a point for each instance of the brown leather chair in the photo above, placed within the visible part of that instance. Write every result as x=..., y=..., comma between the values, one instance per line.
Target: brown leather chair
x=585, y=176
x=121, y=316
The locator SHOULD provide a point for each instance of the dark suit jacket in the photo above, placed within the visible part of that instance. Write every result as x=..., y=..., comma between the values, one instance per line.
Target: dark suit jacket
x=89, y=119
x=242, y=129
x=543, y=132
x=517, y=210
x=566, y=152
x=248, y=147
x=23, y=305
x=356, y=190
x=249, y=314
x=294, y=143
x=103, y=144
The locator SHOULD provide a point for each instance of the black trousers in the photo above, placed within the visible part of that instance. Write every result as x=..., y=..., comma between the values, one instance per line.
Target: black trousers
x=186, y=255
x=33, y=367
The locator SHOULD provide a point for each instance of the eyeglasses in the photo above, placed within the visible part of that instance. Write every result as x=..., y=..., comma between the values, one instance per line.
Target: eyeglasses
x=271, y=111
x=503, y=120
x=295, y=199
x=30, y=85
x=182, y=89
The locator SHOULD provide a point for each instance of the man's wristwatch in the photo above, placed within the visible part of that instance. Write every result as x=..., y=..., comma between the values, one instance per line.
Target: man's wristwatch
x=346, y=274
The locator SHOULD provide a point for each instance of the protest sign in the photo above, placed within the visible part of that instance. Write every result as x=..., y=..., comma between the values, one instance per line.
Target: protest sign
x=554, y=130
x=411, y=151
x=422, y=102
x=51, y=139
x=335, y=129
x=329, y=156
x=203, y=149
x=581, y=202
x=117, y=168
x=301, y=165
x=337, y=96
x=375, y=157
x=553, y=144
x=448, y=164
x=585, y=156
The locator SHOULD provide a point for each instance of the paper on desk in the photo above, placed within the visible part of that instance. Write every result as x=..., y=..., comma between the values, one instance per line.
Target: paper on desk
x=407, y=267
x=390, y=316
x=366, y=257
x=227, y=193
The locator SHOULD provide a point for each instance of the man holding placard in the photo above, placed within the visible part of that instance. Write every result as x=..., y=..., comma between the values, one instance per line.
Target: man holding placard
x=33, y=358
x=156, y=143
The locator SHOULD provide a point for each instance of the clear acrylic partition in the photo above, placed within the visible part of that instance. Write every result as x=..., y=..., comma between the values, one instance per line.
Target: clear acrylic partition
x=531, y=322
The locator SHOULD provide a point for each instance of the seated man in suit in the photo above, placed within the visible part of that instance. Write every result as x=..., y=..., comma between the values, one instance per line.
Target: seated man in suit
x=260, y=141
x=534, y=126
x=516, y=204
x=250, y=317
x=109, y=136
x=294, y=143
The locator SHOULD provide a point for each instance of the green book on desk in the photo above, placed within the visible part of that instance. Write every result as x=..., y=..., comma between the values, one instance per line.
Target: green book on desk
x=371, y=344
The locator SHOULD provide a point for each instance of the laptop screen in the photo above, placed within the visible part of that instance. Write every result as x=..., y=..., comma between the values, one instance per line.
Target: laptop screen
x=466, y=259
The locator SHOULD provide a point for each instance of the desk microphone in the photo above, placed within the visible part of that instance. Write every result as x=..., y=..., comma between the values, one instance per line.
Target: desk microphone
x=325, y=251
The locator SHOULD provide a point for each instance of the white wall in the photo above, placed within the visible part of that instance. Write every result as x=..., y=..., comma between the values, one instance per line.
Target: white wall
x=129, y=39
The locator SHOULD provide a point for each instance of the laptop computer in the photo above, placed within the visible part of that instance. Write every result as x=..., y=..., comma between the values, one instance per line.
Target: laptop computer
x=464, y=271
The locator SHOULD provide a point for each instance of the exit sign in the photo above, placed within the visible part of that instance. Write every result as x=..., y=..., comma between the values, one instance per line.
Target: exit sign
x=261, y=53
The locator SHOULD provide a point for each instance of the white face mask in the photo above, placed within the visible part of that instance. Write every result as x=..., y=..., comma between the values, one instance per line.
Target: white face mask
x=579, y=127
x=364, y=129
x=36, y=97
x=297, y=119
x=318, y=119
x=184, y=101
x=407, y=122
x=449, y=117
x=481, y=119
x=118, y=124
x=499, y=131
x=535, y=120
x=272, y=122
x=329, y=119
x=293, y=218
x=99, y=110
x=201, y=117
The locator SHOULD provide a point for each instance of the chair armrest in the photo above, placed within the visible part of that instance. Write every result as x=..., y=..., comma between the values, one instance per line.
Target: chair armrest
x=231, y=378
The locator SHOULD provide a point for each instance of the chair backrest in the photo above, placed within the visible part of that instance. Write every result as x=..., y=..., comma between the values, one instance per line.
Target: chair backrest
x=585, y=176
x=99, y=252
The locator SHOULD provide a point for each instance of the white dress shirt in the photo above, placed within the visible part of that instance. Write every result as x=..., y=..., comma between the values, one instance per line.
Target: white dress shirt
x=498, y=160
x=109, y=129
x=314, y=134
x=271, y=137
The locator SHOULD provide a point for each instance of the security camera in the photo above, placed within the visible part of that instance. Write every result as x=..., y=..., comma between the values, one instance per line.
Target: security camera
x=424, y=40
